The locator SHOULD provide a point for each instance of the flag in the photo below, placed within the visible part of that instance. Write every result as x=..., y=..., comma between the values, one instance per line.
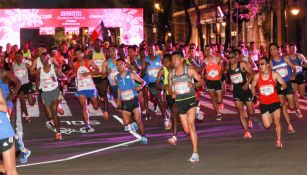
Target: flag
x=97, y=33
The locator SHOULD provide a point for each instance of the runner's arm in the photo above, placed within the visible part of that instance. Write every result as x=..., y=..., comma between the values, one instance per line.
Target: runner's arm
x=280, y=80
x=170, y=85
x=16, y=88
x=254, y=84
x=91, y=63
x=33, y=65
x=138, y=79
x=160, y=75
x=37, y=81
x=196, y=76
x=249, y=71
x=60, y=73
x=104, y=71
x=303, y=59
x=291, y=66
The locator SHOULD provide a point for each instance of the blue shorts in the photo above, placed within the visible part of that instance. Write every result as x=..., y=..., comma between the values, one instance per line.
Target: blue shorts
x=87, y=93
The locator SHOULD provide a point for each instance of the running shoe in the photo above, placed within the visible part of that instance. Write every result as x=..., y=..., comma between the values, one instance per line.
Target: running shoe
x=134, y=127
x=194, y=158
x=199, y=114
x=167, y=124
x=50, y=125
x=58, y=137
x=155, y=108
x=278, y=145
x=89, y=129
x=144, y=140
x=247, y=135
x=105, y=115
x=219, y=117
x=60, y=110
x=250, y=124
x=299, y=114
x=291, y=129
x=24, y=156
x=172, y=140
x=128, y=128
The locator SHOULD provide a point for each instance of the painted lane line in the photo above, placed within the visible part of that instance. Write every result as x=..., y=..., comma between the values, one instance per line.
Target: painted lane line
x=138, y=139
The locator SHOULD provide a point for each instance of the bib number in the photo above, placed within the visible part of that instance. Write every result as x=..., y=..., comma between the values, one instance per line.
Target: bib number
x=127, y=95
x=182, y=88
x=20, y=73
x=236, y=78
x=267, y=90
x=153, y=72
x=283, y=72
x=213, y=73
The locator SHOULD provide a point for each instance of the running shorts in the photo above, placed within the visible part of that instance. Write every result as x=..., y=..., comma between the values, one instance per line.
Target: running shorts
x=26, y=88
x=299, y=79
x=269, y=107
x=50, y=96
x=287, y=91
x=241, y=95
x=152, y=89
x=130, y=105
x=184, y=105
x=114, y=91
x=215, y=85
x=90, y=93
x=170, y=101
x=6, y=144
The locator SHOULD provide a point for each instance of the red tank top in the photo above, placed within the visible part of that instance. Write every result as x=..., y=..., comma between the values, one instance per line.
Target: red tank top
x=267, y=90
x=86, y=64
x=213, y=71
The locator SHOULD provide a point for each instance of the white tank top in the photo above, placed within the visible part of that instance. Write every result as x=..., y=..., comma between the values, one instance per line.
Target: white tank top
x=21, y=72
x=48, y=81
x=84, y=83
x=39, y=63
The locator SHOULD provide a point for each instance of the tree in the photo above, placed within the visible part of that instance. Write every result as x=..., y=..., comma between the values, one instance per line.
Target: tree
x=199, y=26
x=188, y=21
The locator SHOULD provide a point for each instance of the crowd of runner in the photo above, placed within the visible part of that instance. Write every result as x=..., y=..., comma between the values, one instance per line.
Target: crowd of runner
x=172, y=77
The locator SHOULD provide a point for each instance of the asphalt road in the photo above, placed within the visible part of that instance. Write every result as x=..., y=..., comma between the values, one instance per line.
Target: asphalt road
x=110, y=150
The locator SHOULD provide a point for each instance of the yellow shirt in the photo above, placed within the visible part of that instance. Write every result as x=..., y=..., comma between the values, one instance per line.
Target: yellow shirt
x=98, y=59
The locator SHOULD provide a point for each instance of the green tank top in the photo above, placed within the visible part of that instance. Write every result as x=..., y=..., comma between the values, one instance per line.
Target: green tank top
x=165, y=76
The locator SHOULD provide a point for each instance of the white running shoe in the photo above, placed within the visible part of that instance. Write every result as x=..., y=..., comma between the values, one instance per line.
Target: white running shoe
x=128, y=128
x=172, y=140
x=167, y=124
x=194, y=158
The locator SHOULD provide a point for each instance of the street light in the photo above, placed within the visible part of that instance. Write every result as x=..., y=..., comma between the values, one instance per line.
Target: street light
x=295, y=11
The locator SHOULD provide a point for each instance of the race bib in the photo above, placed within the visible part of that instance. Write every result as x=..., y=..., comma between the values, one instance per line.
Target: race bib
x=267, y=90
x=20, y=73
x=182, y=88
x=153, y=72
x=283, y=72
x=98, y=62
x=236, y=78
x=127, y=95
x=112, y=77
x=213, y=73
x=85, y=82
x=49, y=83
x=299, y=69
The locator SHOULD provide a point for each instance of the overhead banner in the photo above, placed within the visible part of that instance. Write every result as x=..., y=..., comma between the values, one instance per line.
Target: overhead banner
x=12, y=20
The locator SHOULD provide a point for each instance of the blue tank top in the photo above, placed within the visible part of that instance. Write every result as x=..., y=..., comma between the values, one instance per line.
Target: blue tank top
x=282, y=68
x=6, y=91
x=6, y=129
x=153, y=69
x=113, y=73
x=126, y=87
x=298, y=65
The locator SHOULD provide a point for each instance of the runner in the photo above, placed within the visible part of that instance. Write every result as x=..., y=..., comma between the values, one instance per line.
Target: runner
x=7, y=143
x=85, y=85
x=151, y=69
x=283, y=66
x=127, y=96
x=195, y=62
x=298, y=84
x=241, y=76
x=168, y=101
x=21, y=71
x=181, y=87
x=101, y=83
x=213, y=74
x=143, y=93
x=266, y=83
x=47, y=79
